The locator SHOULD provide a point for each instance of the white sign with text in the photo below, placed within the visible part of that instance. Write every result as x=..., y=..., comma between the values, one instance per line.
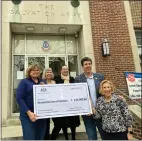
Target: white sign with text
x=134, y=82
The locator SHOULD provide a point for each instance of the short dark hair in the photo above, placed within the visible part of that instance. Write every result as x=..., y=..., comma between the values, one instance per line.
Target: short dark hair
x=85, y=59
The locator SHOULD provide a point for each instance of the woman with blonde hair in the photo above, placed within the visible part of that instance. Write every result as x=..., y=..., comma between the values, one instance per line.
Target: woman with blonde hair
x=33, y=129
x=48, y=76
x=116, y=118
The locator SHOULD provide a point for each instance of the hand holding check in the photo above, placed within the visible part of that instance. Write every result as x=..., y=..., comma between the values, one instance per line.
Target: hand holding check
x=93, y=108
x=32, y=116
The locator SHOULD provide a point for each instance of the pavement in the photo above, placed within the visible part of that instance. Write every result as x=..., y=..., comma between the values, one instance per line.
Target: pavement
x=79, y=136
x=14, y=132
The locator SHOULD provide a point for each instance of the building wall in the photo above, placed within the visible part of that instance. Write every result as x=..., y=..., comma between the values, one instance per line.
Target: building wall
x=137, y=129
x=6, y=70
x=40, y=12
x=136, y=10
x=108, y=19
x=132, y=36
x=112, y=20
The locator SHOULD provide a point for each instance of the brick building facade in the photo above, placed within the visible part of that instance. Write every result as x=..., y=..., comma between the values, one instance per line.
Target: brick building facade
x=136, y=10
x=109, y=20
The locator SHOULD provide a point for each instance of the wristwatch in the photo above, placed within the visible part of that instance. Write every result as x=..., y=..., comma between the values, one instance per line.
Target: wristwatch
x=130, y=132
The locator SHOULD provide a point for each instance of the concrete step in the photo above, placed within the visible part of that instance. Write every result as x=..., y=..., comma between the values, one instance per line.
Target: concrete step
x=14, y=132
x=79, y=136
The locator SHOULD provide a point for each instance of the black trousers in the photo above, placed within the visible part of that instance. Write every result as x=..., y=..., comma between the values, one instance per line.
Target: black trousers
x=47, y=133
x=115, y=136
x=56, y=130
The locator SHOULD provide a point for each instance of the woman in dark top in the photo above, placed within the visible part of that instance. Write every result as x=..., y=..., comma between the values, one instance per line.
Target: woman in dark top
x=116, y=118
x=33, y=129
x=65, y=122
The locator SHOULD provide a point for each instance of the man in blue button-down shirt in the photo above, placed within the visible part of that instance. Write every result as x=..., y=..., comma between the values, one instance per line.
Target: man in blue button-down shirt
x=93, y=80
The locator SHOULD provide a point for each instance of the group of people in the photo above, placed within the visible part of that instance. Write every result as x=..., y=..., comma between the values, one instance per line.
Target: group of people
x=110, y=114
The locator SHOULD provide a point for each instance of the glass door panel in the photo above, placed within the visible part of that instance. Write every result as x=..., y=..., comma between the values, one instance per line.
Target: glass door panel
x=73, y=65
x=56, y=63
x=18, y=74
x=39, y=61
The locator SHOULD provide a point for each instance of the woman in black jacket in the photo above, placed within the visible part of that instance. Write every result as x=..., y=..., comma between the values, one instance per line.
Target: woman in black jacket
x=65, y=122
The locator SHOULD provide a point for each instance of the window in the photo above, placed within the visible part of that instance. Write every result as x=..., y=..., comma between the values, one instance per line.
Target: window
x=138, y=34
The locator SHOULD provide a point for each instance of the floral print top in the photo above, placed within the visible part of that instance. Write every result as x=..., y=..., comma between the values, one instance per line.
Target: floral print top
x=115, y=114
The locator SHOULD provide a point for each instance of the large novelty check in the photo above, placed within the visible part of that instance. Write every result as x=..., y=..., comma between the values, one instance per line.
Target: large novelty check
x=59, y=100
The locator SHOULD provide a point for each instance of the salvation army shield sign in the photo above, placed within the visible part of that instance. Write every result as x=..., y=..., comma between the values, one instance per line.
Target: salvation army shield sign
x=45, y=45
x=134, y=83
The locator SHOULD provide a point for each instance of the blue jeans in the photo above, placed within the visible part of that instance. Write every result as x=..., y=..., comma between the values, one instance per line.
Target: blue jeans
x=33, y=130
x=90, y=126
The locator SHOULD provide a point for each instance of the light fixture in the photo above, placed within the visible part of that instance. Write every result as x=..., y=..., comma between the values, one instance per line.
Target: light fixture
x=75, y=3
x=62, y=30
x=30, y=28
x=16, y=2
x=105, y=48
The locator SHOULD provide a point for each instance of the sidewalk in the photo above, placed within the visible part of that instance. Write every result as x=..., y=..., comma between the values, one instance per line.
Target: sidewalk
x=15, y=132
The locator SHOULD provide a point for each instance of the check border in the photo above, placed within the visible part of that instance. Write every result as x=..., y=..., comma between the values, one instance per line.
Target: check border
x=61, y=115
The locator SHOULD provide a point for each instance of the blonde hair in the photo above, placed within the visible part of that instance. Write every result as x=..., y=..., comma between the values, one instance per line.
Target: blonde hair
x=30, y=68
x=102, y=83
x=45, y=71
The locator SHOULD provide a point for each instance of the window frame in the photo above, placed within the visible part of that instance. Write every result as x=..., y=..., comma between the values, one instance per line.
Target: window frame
x=26, y=55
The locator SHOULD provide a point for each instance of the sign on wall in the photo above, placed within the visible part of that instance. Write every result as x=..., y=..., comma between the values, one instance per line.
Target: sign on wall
x=45, y=10
x=134, y=83
x=45, y=45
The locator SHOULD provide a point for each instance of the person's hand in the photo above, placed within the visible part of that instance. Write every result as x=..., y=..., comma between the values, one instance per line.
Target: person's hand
x=91, y=107
x=122, y=97
x=90, y=114
x=130, y=136
x=93, y=110
x=32, y=116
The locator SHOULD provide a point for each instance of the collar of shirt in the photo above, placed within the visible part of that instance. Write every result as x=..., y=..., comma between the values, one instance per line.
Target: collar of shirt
x=89, y=77
x=33, y=80
x=113, y=98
